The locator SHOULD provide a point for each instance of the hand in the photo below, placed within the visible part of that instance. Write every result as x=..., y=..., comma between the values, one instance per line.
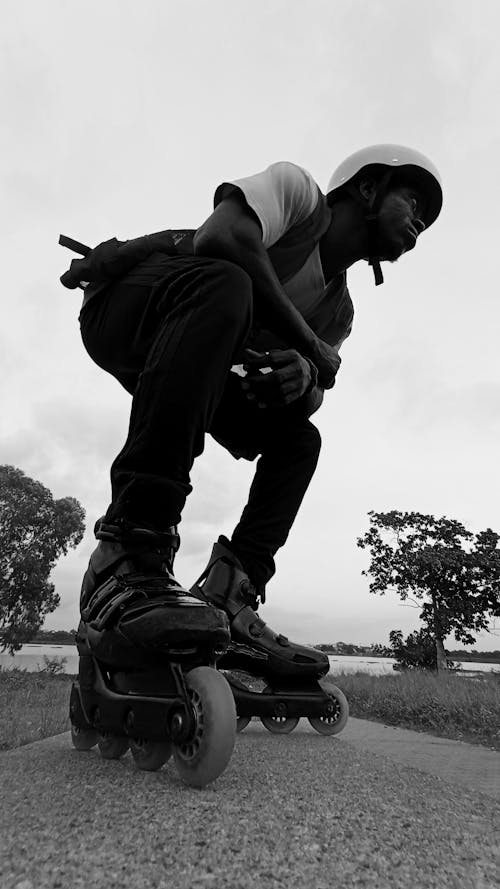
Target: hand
x=327, y=360
x=275, y=378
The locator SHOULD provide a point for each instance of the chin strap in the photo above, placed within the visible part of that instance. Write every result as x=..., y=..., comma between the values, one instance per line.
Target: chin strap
x=371, y=208
x=374, y=261
x=377, y=270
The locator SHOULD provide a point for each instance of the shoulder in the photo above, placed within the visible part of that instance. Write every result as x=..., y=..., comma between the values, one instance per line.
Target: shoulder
x=293, y=186
x=282, y=179
x=282, y=195
x=291, y=175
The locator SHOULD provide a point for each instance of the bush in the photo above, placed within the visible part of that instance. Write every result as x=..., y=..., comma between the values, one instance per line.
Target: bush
x=416, y=652
x=53, y=666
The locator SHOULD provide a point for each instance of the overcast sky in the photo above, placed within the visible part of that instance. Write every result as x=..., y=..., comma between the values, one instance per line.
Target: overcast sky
x=121, y=118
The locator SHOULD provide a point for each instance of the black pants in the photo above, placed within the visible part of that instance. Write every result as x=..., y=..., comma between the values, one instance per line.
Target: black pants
x=171, y=346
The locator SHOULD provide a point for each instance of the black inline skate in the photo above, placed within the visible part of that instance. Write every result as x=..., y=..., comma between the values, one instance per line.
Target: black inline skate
x=148, y=650
x=291, y=677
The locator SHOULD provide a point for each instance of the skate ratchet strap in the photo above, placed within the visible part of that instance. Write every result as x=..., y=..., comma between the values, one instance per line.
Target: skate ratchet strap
x=109, y=600
x=238, y=578
x=119, y=597
x=126, y=533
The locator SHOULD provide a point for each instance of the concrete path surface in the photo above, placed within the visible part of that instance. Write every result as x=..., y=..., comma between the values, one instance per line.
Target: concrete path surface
x=374, y=807
x=467, y=765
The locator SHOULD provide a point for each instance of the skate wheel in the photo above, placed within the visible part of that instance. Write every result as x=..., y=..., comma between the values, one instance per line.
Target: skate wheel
x=242, y=722
x=83, y=738
x=150, y=755
x=280, y=725
x=111, y=746
x=332, y=723
x=204, y=756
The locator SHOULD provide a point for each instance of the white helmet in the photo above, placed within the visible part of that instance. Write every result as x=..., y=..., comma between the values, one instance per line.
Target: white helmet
x=416, y=167
x=391, y=161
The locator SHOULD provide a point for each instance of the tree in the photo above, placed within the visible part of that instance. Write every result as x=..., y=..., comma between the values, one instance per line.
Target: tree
x=455, y=573
x=381, y=650
x=417, y=651
x=346, y=648
x=35, y=530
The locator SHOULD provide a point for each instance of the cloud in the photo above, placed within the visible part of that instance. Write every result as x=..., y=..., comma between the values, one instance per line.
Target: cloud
x=114, y=148
x=70, y=448
x=59, y=437
x=418, y=392
x=475, y=406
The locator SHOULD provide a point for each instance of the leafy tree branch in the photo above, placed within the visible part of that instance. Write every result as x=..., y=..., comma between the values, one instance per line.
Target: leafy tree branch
x=454, y=574
x=35, y=531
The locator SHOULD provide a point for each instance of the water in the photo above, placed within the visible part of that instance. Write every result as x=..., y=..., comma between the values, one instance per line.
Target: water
x=30, y=658
x=379, y=666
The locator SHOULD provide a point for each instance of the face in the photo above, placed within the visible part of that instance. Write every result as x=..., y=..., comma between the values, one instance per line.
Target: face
x=399, y=222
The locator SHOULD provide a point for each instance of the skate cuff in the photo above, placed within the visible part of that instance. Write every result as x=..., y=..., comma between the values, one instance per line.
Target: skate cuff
x=127, y=533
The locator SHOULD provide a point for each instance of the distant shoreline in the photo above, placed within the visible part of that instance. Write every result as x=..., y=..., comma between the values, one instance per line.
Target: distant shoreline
x=479, y=657
x=468, y=659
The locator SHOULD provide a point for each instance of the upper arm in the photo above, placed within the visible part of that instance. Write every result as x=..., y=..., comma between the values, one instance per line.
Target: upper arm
x=231, y=218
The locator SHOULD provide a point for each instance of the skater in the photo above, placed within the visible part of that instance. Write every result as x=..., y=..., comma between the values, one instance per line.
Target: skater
x=234, y=329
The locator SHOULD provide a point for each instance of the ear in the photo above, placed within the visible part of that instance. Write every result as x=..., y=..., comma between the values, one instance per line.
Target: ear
x=367, y=187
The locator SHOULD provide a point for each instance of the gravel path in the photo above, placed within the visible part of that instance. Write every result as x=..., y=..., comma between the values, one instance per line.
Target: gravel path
x=301, y=812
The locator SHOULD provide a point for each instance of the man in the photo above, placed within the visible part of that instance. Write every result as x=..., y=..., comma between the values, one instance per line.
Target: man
x=234, y=329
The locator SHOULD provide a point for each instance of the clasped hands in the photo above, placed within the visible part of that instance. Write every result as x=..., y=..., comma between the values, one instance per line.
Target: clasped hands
x=278, y=377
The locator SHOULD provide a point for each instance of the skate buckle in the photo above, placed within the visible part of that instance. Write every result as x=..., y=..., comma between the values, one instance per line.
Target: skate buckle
x=257, y=628
x=250, y=595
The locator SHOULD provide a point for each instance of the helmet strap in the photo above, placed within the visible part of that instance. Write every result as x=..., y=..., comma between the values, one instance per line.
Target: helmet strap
x=371, y=207
x=377, y=269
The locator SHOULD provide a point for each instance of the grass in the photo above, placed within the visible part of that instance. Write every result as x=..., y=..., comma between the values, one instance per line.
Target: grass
x=449, y=706
x=32, y=706
x=35, y=705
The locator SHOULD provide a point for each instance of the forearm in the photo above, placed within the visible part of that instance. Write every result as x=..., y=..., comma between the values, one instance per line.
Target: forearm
x=273, y=306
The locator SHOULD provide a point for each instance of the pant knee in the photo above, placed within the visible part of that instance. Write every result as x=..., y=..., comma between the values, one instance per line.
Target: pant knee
x=315, y=435
x=311, y=439
x=300, y=439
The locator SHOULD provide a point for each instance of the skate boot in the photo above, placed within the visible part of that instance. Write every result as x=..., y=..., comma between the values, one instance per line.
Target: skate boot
x=270, y=677
x=130, y=599
x=225, y=583
x=148, y=649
